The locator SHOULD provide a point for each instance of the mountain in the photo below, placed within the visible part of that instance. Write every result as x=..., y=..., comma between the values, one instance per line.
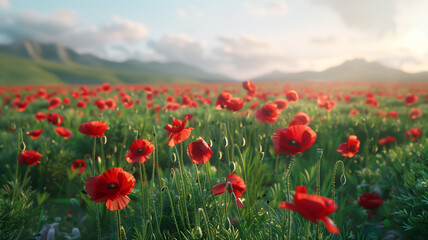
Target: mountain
x=352, y=70
x=58, y=64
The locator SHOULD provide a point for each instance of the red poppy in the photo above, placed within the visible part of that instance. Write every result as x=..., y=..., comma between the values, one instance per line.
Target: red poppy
x=55, y=118
x=353, y=112
x=386, y=140
x=281, y=104
x=21, y=106
x=249, y=86
x=326, y=102
x=234, y=104
x=221, y=101
x=100, y=104
x=63, y=132
x=66, y=101
x=414, y=132
x=40, y=116
x=254, y=105
x=411, y=99
x=139, y=151
x=111, y=187
x=177, y=132
x=269, y=113
x=78, y=164
x=81, y=104
x=303, y=117
x=313, y=208
x=415, y=113
x=172, y=106
x=392, y=114
x=350, y=148
x=292, y=96
x=35, y=133
x=370, y=201
x=238, y=187
x=29, y=157
x=199, y=152
x=110, y=103
x=54, y=102
x=292, y=140
x=93, y=129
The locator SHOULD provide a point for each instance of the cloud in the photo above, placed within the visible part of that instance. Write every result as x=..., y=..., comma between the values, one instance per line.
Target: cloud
x=273, y=7
x=324, y=40
x=376, y=17
x=191, y=11
x=64, y=27
x=4, y=4
x=181, y=48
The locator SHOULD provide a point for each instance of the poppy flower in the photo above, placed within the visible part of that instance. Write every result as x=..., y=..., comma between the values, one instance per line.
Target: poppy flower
x=29, y=157
x=411, y=99
x=234, y=104
x=93, y=129
x=66, y=101
x=415, y=113
x=238, y=187
x=292, y=96
x=63, y=132
x=386, y=140
x=281, y=104
x=303, y=117
x=370, y=201
x=177, y=132
x=40, y=116
x=254, y=105
x=78, y=164
x=326, y=102
x=221, y=101
x=414, y=132
x=55, y=118
x=54, y=102
x=110, y=103
x=269, y=113
x=353, y=112
x=139, y=151
x=350, y=148
x=35, y=133
x=199, y=152
x=313, y=208
x=111, y=187
x=292, y=140
x=249, y=86
x=100, y=104
x=21, y=106
x=392, y=114
x=81, y=104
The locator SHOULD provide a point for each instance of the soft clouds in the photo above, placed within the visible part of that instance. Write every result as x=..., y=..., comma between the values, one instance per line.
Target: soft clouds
x=238, y=56
x=273, y=7
x=373, y=16
x=4, y=4
x=64, y=27
x=191, y=11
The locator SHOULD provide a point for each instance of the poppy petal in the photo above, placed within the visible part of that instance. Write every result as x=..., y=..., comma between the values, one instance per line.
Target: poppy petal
x=117, y=204
x=219, y=188
x=329, y=224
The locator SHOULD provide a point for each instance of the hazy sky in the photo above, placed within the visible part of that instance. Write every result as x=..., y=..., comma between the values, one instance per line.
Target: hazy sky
x=238, y=38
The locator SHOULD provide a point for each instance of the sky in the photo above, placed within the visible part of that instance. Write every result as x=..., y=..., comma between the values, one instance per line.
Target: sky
x=238, y=38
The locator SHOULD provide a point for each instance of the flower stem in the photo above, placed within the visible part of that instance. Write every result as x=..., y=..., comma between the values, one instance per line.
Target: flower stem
x=97, y=214
x=119, y=237
x=290, y=169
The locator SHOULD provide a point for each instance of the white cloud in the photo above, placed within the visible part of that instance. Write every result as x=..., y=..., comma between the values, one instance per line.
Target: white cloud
x=181, y=13
x=191, y=11
x=376, y=17
x=4, y=4
x=64, y=27
x=273, y=7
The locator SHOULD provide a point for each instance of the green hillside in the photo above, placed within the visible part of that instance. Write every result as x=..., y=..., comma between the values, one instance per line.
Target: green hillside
x=15, y=70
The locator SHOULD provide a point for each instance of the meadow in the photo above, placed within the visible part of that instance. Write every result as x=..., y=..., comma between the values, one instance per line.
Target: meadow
x=277, y=160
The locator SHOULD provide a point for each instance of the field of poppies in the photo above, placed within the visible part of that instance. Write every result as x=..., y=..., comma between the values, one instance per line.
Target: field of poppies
x=214, y=161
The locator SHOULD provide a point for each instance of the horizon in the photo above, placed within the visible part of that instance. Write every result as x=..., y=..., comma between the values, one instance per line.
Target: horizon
x=251, y=38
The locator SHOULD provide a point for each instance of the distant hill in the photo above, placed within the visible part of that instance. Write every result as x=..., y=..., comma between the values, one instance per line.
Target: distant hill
x=53, y=63
x=352, y=70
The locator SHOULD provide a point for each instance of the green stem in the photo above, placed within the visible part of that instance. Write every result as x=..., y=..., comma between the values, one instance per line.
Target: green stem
x=290, y=169
x=97, y=214
x=119, y=237
x=142, y=188
x=173, y=212
x=276, y=162
x=320, y=152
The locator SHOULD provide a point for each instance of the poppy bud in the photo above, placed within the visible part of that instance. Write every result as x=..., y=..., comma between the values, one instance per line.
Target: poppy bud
x=220, y=155
x=174, y=157
x=243, y=142
x=211, y=143
x=319, y=152
x=154, y=134
x=232, y=166
x=163, y=189
x=135, y=134
x=268, y=201
x=260, y=148
x=225, y=142
x=104, y=140
x=189, y=197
